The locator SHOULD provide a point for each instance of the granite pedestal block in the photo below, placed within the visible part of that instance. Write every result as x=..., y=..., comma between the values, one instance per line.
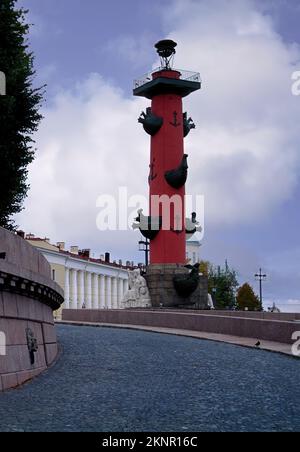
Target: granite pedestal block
x=162, y=291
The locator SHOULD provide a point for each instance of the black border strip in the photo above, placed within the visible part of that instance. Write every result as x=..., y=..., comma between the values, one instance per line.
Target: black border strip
x=30, y=289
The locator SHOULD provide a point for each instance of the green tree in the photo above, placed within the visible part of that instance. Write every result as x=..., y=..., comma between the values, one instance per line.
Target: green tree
x=204, y=267
x=19, y=110
x=222, y=284
x=246, y=298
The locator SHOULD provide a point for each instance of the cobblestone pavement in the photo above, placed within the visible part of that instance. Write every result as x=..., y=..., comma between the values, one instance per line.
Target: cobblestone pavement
x=120, y=380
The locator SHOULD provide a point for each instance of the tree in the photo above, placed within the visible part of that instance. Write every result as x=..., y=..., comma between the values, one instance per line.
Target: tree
x=246, y=298
x=204, y=267
x=19, y=110
x=222, y=284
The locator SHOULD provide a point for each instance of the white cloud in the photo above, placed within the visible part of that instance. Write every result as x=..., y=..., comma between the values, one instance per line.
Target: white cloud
x=89, y=144
x=133, y=51
x=243, y=156
x=293, y=302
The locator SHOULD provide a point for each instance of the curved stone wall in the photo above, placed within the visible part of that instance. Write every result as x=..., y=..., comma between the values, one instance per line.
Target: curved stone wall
x=28, y=297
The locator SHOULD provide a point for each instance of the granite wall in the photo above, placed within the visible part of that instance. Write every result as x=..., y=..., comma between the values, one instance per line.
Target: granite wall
x=28, y=297
x=237, y=324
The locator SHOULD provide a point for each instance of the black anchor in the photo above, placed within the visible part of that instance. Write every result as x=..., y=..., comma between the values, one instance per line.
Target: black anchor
x=152, y=176
x=175, y=123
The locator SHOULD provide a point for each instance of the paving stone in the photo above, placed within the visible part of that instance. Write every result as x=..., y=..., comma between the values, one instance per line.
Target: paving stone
x=120, y=380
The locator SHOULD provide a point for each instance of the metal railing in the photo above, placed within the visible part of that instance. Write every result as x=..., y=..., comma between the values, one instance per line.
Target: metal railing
x=185, y=75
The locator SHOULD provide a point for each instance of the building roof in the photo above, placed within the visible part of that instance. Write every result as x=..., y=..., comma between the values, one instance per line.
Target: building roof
x=45, y=244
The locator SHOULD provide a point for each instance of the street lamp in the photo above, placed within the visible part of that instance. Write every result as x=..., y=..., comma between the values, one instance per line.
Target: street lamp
x=144, y=246
x=261, y=277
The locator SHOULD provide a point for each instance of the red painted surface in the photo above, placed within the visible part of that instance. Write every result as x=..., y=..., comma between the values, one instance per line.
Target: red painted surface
x=167, y=149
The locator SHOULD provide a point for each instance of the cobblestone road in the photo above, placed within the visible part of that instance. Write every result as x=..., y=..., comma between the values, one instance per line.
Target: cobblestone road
x=120, y=380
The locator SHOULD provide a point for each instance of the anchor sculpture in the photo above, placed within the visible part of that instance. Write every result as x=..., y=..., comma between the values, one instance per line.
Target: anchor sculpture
x=175, y=123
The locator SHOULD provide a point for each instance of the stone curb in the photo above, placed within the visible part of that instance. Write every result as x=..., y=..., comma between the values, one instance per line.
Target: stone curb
x=274, y=347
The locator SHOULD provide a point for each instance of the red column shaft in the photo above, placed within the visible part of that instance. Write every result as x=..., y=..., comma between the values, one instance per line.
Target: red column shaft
x=167, y=149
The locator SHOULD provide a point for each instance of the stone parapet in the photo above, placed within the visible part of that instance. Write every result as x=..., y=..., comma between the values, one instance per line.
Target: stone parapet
x=206, y=322
x=28, y=296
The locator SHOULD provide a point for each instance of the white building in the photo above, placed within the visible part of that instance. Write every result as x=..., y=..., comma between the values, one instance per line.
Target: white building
x=193, y=251
x=88, y=283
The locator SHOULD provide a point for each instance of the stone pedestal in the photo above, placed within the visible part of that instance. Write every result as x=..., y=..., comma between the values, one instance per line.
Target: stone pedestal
x=163, y=294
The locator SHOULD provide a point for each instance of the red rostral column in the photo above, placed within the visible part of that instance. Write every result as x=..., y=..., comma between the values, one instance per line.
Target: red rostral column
x=167, y=150
x=167, y=125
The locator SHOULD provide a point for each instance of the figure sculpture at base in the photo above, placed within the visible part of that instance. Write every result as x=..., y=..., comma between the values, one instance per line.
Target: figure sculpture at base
x=137, y=295
x=211, y=302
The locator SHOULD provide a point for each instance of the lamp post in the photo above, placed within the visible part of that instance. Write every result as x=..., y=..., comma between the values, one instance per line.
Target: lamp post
x=261, y=277
x=144, y=246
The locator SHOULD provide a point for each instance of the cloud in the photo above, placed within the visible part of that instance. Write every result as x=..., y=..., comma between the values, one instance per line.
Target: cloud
x=89, y=144
x=293, y=302
x=243, y=156
x=131, y=50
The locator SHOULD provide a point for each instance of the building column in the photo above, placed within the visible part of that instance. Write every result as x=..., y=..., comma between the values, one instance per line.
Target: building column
x=120, y=292
x=74, y=293
x=126, y=286
x=67, y=288
x=114, y=293
x=108, y=293
x=88, y=291
x=95, y=303
x=81, y=289
x=102, y=292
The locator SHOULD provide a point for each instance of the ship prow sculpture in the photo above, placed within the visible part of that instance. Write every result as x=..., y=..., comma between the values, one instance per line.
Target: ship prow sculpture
x=170, y=282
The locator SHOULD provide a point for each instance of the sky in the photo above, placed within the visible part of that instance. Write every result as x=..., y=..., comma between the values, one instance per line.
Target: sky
x=244, y=155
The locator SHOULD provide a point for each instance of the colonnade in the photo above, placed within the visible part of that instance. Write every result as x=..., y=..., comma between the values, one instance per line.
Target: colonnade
x=88, y=290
